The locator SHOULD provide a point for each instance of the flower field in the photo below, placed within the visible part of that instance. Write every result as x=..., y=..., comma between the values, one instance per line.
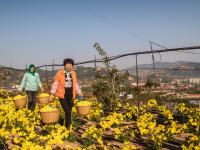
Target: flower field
x=150, y=126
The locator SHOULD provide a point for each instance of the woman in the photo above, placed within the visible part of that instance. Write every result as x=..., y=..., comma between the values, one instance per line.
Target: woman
x=31, y=82
x=65, y=87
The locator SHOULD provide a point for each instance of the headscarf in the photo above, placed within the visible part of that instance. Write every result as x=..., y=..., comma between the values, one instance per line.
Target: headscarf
x=29, y=69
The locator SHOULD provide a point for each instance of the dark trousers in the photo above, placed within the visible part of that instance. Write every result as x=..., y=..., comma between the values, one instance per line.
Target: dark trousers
x=67, y=105
x=31, y=99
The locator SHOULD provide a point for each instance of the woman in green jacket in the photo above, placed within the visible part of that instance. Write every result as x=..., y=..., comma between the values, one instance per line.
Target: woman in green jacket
x=31, y=82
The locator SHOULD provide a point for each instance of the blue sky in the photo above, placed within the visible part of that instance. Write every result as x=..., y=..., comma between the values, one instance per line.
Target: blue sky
x=38, y=31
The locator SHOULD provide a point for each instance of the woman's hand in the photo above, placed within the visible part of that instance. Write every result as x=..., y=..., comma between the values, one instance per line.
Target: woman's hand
x=52, y=96
x=19, y=89
x=42, y=89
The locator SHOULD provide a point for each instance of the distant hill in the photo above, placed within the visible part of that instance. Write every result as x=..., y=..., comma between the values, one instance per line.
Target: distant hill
x=168, y=74
x=178, y=64
x=85, y=74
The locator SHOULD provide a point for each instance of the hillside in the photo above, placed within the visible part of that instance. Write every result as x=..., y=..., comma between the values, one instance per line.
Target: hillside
x=168, y=74
x=85, y=74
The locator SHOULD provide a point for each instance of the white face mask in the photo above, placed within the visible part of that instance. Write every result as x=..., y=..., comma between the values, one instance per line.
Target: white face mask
x=32, y=69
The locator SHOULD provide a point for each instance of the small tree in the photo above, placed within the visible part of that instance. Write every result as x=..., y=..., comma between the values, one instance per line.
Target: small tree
x=108, y=83
x=149, y=84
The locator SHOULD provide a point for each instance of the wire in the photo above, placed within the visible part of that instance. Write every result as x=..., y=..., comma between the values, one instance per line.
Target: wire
x=161, y=47
x=197, y=69
x=189, y=52
x=115, y=57
x=158, y=45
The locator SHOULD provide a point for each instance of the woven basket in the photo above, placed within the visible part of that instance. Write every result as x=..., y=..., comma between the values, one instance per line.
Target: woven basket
x=50, y=116
x=83, y=110
x=43, y=100
x=20, y=103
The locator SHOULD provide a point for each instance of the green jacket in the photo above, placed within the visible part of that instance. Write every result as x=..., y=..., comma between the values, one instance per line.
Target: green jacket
x=30, y=82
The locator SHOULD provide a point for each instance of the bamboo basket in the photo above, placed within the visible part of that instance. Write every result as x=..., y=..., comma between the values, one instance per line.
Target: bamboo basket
x=20, y=103
x=50, y=116
x=83, y=110
x=43, y=100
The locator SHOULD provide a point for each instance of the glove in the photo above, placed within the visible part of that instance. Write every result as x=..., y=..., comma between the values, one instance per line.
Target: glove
x=80, y=97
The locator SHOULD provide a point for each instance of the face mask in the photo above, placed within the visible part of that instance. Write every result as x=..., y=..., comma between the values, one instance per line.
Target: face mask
x=32, y=71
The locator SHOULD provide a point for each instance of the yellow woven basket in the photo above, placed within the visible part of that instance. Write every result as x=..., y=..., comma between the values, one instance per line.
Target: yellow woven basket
x=50, y=116
x=43, y=100
x=20, y=103
x=83, y=110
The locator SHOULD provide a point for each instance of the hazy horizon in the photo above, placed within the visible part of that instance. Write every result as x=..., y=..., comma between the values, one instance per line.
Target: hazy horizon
x=101, y=65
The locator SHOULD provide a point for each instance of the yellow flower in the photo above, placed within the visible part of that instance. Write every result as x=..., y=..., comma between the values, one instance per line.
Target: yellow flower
x=193, y=138
x=119, y=104
x=20, y=133
x=84, y=103
x=185, y=126
x=48, y=108
x=19, y=97
x=44, y=95
x=128, y=146
x=16, y=140
x=100, y=141
x=117, y=131
x=152, y=102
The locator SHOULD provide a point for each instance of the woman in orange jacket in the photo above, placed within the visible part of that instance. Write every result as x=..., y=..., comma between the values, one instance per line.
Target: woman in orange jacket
x=65, y=87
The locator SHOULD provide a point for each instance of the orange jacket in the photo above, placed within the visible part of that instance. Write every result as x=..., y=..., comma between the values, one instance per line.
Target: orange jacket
x=58, y=87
